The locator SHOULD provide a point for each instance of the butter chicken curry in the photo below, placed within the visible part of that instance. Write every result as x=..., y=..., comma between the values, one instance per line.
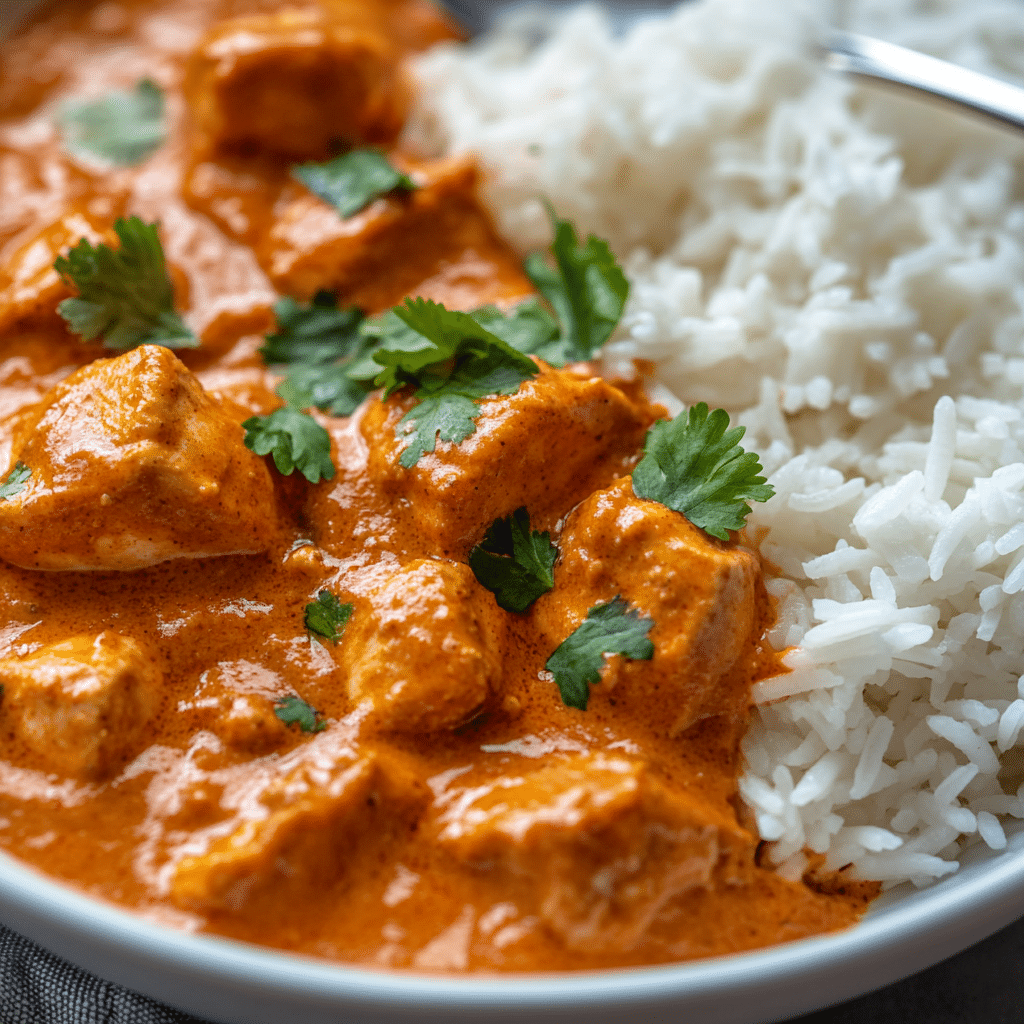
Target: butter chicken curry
x=419, y=669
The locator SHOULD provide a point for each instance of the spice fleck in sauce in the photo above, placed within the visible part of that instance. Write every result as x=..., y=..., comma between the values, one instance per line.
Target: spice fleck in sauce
x=449, y=812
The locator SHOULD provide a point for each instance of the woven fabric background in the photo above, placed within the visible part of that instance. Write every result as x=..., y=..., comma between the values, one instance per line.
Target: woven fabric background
x=38, y=988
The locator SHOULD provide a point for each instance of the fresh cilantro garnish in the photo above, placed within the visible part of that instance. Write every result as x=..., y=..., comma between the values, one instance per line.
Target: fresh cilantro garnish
x=318, y=343
x=124, y=294
x=352, y=181
x=514, y=563
x=329, y=388
x=296, y=441
x=586, y=289
x=317, y=333
x=694, y=465
x=327, y=616
x=610, y=628
x=529, y=328
x=451, y=360
x=295, y=711
x=16, y=481
x=121, y=127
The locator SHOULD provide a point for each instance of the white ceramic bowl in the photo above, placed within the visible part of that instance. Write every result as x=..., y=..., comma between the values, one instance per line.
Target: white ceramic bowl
x=236, y=983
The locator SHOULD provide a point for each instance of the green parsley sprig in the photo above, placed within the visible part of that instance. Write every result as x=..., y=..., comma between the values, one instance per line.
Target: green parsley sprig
x=124, y=294
x=318, y=343
x=295, y=711
x=352, y=181
x=327, y=616
x=695, y=466
x=16, y=481
x=515, y=564
x=611, y=628
x=450, y=360
x=295, y=440
x=122, y=127
x=586, y=288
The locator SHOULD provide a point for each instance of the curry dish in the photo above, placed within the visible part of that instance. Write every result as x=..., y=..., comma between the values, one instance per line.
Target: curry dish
x=444, y=809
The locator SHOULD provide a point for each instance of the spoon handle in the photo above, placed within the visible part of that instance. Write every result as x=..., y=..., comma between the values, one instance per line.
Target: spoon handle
x=896, y=65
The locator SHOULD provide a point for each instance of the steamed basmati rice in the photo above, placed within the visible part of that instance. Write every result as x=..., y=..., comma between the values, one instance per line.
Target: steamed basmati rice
x=843, y=270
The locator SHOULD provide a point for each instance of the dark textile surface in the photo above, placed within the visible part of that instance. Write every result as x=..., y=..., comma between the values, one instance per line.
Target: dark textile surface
x=980, y=986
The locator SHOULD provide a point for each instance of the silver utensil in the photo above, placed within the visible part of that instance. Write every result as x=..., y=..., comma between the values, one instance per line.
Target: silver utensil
x=906, y=69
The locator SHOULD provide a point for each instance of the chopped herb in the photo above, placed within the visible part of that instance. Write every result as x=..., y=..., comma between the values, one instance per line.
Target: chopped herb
x=121, y=127
x=451, y=359
x=352, y=181
x=514, y=563
x=16, y=481
x=318, y=343
x=529, y=328
x=329, y=388
x=296, y=441
x=295, y=711
x=586, y=289
x=695, y=466
x=124, y=294
x=327, y=616
x=315, y=334
x=610, y=628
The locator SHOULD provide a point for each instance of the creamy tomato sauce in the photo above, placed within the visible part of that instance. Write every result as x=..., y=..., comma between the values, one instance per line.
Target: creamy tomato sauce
x=453, y=813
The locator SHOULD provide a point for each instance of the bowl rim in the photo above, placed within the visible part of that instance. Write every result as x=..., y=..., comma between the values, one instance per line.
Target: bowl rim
x=922, y=927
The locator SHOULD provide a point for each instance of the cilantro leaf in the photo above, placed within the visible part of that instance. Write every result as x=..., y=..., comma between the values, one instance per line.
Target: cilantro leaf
x=296, y=441
x=352, y=181
x=317, y=333
x=121, y=127
x=318, y=343
x=295, y=711
x=124, y=294
x=329, y=388
x=451, y=359
x=610, y=628
x=529, y=328
x=586, y=289
x=694, y=465
x=327, y=616
x=514, y=563
x=418, y=341
x=16, y=481
x=449, y=416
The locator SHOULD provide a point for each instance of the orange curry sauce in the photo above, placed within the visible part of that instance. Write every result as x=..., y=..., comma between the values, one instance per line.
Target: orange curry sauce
x=454, y=814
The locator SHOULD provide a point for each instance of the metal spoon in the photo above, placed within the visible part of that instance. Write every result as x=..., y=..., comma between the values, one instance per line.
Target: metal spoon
x=847, y=52
x=907, y=69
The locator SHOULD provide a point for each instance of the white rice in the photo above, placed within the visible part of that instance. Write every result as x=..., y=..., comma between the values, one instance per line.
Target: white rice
x=843, y=270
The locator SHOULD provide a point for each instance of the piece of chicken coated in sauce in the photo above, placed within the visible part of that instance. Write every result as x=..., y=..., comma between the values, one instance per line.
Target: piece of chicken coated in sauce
x=546, y=447
x=132, y=463
x=435, y=241
x=598, y=840
x=81, y=707
x=302, y=832
x=705, y=597
x=296, y=83
x=422, y=651
x=30, y=289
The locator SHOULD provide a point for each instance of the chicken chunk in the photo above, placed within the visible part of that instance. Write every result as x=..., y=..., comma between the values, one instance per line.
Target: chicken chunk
x=603, y=843
x=435, y=241
x=30, y=289
x=296, y=83
x=131, y=463
x=556, y=439
x=80, y=708
x=705, y=597
x=300, y=834
x=424, y=650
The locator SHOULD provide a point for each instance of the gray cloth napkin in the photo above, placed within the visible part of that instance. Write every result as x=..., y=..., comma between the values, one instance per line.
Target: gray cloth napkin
x=38, y=988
